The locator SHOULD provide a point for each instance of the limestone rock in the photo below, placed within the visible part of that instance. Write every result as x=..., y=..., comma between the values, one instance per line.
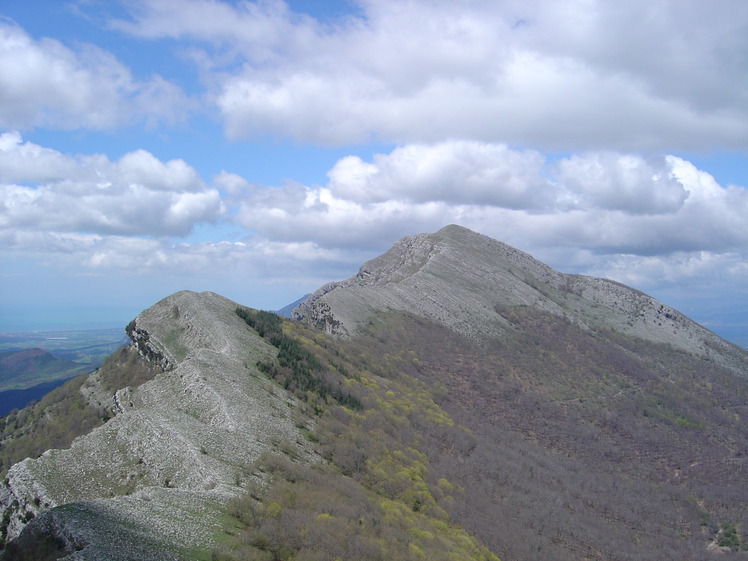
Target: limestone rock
x=179, y=446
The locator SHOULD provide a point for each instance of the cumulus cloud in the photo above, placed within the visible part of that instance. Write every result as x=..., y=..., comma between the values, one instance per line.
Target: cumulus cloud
x=672, y=270
x=136, y=195
x=605, y=203
x=25, y=161
x=45, y=83
x=453, y=172
x=568, y=75
x=622, y=182
x=650, y=222
x=248, y=266
x=608, y=203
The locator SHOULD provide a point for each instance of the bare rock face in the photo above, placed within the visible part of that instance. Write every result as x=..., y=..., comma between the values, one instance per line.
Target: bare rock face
x=462, y=280
x=178, y=448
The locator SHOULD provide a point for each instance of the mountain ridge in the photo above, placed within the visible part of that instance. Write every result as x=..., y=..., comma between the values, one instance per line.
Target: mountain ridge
x=465, y=385
x=181, y=442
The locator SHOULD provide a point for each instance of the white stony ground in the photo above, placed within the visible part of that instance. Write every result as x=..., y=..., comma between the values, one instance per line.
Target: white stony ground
x=179, y=448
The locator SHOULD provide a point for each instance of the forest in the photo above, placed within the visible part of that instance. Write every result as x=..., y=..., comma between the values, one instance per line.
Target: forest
x=557, y=444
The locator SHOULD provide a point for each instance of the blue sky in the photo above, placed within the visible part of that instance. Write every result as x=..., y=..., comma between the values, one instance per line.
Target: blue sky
x=261, y=149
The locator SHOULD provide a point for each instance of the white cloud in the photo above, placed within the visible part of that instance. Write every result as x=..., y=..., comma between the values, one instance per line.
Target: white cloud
x=609, y=203
x=681, y=267
x=245, y=270
x=605, y=203
x=650, y=222
x=231, y=183
x=569, y=75
x=25, y=161
x=622, y=182
x=143, y=168
x=135, y=195
x=45, y=83
x=458, y=172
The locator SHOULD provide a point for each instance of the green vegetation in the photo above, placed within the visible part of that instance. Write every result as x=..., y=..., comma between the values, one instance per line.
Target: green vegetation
x=377, y=496
x=53, y=422
x=583, y=442
x=314, y=513
x=556, y=443
x=43, y=547
x=728, y=537
x=296, y=368
x=125, y=367
x=553, y=443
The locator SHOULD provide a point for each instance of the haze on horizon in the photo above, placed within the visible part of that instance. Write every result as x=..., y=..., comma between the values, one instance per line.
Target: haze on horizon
x=262, y=149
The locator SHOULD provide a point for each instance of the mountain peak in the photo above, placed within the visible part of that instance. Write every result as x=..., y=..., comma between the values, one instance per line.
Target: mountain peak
x=463, y=280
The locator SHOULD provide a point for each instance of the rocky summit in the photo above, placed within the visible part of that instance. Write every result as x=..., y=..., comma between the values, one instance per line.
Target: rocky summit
x=456, y=399
x=463, y=280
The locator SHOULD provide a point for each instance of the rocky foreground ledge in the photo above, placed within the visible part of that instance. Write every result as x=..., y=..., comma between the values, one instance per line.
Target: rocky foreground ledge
x=155, y=477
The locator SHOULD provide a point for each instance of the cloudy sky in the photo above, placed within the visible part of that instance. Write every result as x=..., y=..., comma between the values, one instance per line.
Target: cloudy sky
x=259, y=149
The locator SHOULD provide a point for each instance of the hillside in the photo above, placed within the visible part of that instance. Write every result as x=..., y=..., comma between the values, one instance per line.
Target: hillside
x=175, y=449
x=456, y=399
x=18, y=399
x=606, y=424
x=33, y=364
x=89, y=346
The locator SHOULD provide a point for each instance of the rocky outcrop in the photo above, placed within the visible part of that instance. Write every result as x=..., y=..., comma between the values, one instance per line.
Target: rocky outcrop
x=462, y=279
x=178, y=447
x=140, y=339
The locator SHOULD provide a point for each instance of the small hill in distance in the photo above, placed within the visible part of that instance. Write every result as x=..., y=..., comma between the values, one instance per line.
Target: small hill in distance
x=20, y=370
x=31, y=373
x=34, y=363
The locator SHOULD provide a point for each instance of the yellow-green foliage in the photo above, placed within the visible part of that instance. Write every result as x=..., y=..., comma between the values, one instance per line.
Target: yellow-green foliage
x=310, y=513
x=376, y=499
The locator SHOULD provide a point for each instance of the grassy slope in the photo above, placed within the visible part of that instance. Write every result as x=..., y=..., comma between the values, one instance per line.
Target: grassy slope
x=587, y=445
x=557, y=444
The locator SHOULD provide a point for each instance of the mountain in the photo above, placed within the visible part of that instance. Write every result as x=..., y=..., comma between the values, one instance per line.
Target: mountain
x=605, y=424
x=18, y=399
x=32, y=364
x=286, y=311
x=175, y=449
x=464, y=280
x=455, y=399
x=29, y=374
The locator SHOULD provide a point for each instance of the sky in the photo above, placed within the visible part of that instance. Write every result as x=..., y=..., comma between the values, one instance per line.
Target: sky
x=260, y=149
